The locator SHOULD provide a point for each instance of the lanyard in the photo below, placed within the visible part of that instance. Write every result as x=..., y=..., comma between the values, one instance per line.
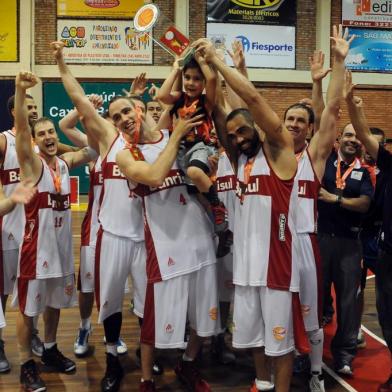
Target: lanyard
x=341, y=180
x=56, y=177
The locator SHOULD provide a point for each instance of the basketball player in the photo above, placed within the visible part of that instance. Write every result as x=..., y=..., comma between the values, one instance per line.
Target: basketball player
x=45, y=282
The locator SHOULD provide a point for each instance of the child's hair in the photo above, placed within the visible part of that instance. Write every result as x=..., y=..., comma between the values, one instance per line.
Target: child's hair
x=192, y=64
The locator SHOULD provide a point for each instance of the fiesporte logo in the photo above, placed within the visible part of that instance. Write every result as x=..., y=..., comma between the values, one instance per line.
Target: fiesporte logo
x=263, y=46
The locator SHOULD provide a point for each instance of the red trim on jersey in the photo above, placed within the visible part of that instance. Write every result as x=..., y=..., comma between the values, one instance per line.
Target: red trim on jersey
x=97, y=267
x=1, y=260
x=300, y=335
x=23, y=285
x=86, y=224
x=319, y=275
x=147, y=334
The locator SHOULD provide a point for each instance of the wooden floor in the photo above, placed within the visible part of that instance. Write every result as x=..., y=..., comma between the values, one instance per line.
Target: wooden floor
x=91, y=369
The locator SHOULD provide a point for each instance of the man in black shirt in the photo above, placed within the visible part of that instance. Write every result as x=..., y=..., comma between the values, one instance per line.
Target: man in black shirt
x=384, y=263
x=345, y=196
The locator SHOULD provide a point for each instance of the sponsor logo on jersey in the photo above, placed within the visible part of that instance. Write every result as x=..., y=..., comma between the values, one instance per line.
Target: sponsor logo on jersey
x=69, y=289
x=279, y=333
x=225, y=183
x=45, y=264
x=213, y=313
x=282, y=227
x=88, y=275
x=302, y=188
x=11, y=237
x=169, y=328
x=30, y=224
x=170, y=262
x=13, y=176
x=175, y=178
x=38, y=297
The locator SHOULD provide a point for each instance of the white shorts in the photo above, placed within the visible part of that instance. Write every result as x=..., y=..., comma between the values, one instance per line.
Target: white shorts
x=34, y=295
x=2, y=320
x=310, y=284
x=263, y=317
x=171, y=302
x=225, y=278
x=9, y=266
x=116, y=258
x=86, y=269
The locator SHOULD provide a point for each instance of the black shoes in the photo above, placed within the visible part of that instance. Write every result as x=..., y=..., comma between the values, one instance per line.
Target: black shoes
x=4, y=364
x=114, y=373
x=54, y=359
x=30, y=379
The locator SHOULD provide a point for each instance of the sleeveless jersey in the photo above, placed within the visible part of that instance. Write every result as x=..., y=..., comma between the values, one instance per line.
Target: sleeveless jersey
x=90, y=224
x=12, y=224
x=225, y=186
x=46, y=249
x=177, y=230
x=120, y=210
x=265, y=249
x=308, y=190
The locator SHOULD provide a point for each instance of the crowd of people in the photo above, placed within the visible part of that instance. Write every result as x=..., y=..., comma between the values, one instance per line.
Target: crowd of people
x=206, y=200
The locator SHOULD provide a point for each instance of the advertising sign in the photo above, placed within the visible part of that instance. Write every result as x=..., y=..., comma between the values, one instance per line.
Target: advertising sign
x=367, y=13
x=103, y=41
x=121, y=9
x=276, y=12
x=264, y=46
x=9, y=31
x=371, y=50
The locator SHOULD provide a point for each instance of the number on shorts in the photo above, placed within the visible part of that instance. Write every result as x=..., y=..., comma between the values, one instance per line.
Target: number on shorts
x=58, y=221
x=182, y=199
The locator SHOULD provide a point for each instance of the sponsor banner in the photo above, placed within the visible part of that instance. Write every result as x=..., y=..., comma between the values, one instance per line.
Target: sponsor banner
x=121, y=9
x=367, y=13
x=277, y=12
x=264, y=46
x=9, y=31
x=371, y=50
x=103, y=41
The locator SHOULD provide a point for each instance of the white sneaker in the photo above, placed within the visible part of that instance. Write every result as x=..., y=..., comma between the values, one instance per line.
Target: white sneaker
x=316, y=383
x=81, y=342
x=346, y=370
x=121, y=346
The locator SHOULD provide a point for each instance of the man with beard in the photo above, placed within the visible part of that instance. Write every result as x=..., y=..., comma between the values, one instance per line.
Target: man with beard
x=345, y=195
x=265, y=270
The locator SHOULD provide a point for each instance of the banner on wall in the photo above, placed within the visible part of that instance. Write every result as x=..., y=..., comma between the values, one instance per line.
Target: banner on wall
x=264, y=46
x=370, y=51
x=9, y=31
x=103, y=41
x=121, y=9
x=276, y=12
x=367, y=13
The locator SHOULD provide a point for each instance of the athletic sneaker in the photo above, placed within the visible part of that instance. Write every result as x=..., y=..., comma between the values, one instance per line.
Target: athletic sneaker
x=386, y=386
x=219, y=213
x=37, y=346
x=190, y=376
x=4, y=364
x=220, y=351
x=113, y=375
x=316, y=382
x=30, y=379
x=344, y=368
x=147, y=386
x=81, y=342
x=267, y=386
x=121, y=346
x=157, y=367
x=54, y=358
x=361, y=342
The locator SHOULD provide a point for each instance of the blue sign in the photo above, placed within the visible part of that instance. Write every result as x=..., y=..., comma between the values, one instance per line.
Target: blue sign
x=371, y=51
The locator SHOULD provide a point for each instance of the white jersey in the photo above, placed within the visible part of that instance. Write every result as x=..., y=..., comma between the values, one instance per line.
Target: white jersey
x=46, y=249
x=265, y=251
x=178, y=232
x=225, y=186
x=90, y=224
x=12, y=224
x=308, y=190
x=120, y=211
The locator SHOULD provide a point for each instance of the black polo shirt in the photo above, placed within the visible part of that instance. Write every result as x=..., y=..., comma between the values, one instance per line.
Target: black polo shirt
x=332, y=218
x=384, y=163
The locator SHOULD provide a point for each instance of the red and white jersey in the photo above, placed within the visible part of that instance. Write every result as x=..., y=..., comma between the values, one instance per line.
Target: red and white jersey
x=226, y=186
x=308, y=190
x=90, y=224
x=265, y=249
x=120, y=210
x=177, y=230
x=12, y=224
x=46, y=249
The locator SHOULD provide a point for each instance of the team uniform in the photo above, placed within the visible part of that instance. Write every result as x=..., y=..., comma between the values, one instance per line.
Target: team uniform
x=46, y=267
x=309, y=254
x=225, y=186
x=12, y=224
x=120, y=248
x=265, y=269
x=181, y=263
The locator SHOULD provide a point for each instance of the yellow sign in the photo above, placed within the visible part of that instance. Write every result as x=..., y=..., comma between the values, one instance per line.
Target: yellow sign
x=98, y=8
x=257, y=3
x=8, y=31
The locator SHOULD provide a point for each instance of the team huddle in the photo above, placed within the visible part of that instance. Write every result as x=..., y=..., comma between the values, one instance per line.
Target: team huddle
x=202, y=197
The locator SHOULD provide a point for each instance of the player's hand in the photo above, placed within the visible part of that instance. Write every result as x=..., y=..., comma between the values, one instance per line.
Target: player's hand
x=184, y=125
x=213, y=163
x=237, y=55
x=316, y=63
x=96, y=100
x=153, y=91
x=340, y=42
x=23, y=192
x=25, y=80
x=57, y=49
x=139, y=85
x=348, y=90
x=206, y=48
x=326, y=196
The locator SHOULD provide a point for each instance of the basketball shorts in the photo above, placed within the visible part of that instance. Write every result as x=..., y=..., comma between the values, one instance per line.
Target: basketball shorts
x=225, y=278
x=9, y=263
